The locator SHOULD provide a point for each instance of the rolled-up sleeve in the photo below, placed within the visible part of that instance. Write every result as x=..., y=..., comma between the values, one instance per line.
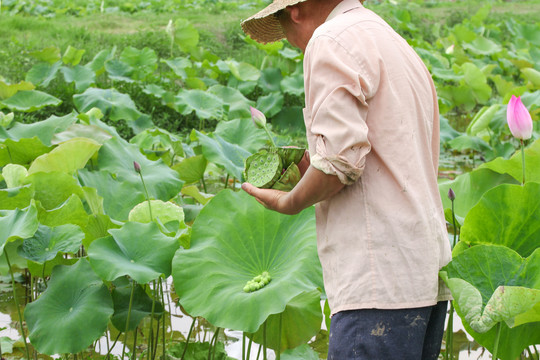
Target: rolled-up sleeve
x=337, y=94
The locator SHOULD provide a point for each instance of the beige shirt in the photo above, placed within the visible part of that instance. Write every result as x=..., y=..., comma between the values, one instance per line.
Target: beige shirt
x=372, y=119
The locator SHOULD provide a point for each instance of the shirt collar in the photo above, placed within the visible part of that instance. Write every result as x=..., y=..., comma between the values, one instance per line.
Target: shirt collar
x=343, y=7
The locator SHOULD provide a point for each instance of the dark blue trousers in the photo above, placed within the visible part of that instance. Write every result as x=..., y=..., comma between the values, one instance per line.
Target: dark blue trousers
x=374, y=334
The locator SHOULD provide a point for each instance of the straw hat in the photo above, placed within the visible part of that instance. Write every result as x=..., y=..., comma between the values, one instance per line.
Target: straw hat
x=264, y=27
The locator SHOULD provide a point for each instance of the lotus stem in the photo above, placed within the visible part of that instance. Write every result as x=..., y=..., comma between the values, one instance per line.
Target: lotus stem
x=188, y=336
x=226, y=181
x=249, y=349
x=138, y=170
x=163, y=325
x=17, y=304
x=127, y=319
x=204, y=184
x=278, y=351
x=450, y=334
x=264, y=341
x=454, y=225
x=259, y=352
x=135, y=343
x=113, y=345
x=215, y=341
x=243, y=346
x=151, y=330
x=497, y=337
x=523, y=159
x=270, y=136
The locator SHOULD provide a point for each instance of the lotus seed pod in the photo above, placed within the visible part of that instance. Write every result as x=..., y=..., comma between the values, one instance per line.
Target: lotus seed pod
x=263, y=168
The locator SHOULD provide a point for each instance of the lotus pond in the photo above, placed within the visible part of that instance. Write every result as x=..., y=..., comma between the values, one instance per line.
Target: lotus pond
x=123, y=229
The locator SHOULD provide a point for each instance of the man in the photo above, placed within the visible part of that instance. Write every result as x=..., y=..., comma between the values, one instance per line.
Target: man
x=372, y=125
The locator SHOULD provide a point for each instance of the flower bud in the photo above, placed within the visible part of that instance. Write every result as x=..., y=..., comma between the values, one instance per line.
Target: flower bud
x=137, y=167
x=518, y=118
x=258, y=118
x=170, y=28
x=451, y=194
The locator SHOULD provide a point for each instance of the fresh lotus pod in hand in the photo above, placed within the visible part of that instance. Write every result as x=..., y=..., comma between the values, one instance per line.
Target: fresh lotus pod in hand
x=274, y=168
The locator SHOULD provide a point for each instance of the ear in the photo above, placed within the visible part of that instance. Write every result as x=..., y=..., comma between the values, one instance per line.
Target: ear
x=294, y=14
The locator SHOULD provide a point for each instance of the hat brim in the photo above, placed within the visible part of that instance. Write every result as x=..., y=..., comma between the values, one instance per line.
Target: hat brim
x=264, y=27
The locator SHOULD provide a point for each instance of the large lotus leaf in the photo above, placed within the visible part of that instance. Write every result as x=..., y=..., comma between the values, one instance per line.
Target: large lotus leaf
x=293, y=84
x=482, y=46
x=138, y=250
x=238, y=103
x=115, y=105
x=477, y=81
x=8, y=90
x=165, y=211
x=53, y=188
x=117, y=157
x=271, y=104
x=118, y=70
x=234, y=240
x=72, y=56
x=532, y=75
x=72, y=313
x=302, y=352
x=191, y=169
x=43, y=73
x=144, y=61
x=243, y=71
x=186, y=36
x=30, y=100
x=300, y=321
x=111, y=190
x=44, y=130
x=66, y=157
x=81, y=131
x=45, y=269
x=98, y=226
x=270, y=81
x=198, y=351
x=141, y=307
x=514, y=166
x=15, y=260
x=14, y=175
x=70, y=211
x=47, y=242
x=82, y=76
x=223, y=153
x=479, y=278
x=22, y=151
x=506, y=215
x=97, y=65
x=243, y=133
x=17, y=224
x=204, y=104
x=290, y=119
x=179, y=66
x=50, y=54
x=18, y=197
x=470, y=187
x=195, y=193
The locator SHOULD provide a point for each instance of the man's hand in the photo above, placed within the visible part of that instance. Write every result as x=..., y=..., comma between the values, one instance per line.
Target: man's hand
x=271, y=199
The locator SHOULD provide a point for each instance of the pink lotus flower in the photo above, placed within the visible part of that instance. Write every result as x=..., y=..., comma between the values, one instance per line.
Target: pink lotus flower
x=518, y=118
x=258, y=117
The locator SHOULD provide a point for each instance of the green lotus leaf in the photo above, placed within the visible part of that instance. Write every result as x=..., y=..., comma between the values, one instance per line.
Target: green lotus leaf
x=244, y=71
x=155, y=141
x=165, y=211
x=43, y=130
x=300, y=321
x=491, y=284
x=72, y=313
x=138, y=250
x=8, y=90
x=271, y=104
x=290, y=120
x=83, y=77
x=14, y=175
x=110, y=189
x=97, y=65
x=179, y=66
x=30, y=100
x=506, y=215
x=204, y=104
x=45, y=269
x=72, y=56
x=482, y=46
x=293, y=84
x=302, y=352
x=243, y=133
x=470, y=187
x=291, y=155
x=270, y=82
x=17, y=224
x=14, y=198
x=81, y=131
x=234, y=239
x=66, y=157
x=223, y=153
x=289, y=179
x=47, y=242
x=238, y=103
x=141, y=307
x=198, y=351
x=191, y=169
x=98, y=226
x=144, y=61
x=52, y=189
x=263, y=168
x=195, y=193
x=186, y=36
x=22, y=151
x=514, y=167
x=16, y=262
x=43, y=73
x=118, y=70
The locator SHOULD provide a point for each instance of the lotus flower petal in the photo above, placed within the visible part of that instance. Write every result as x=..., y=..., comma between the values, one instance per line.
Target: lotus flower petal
x=518, y=118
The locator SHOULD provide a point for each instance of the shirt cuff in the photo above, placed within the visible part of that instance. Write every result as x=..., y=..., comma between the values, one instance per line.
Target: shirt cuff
x=339, y=166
